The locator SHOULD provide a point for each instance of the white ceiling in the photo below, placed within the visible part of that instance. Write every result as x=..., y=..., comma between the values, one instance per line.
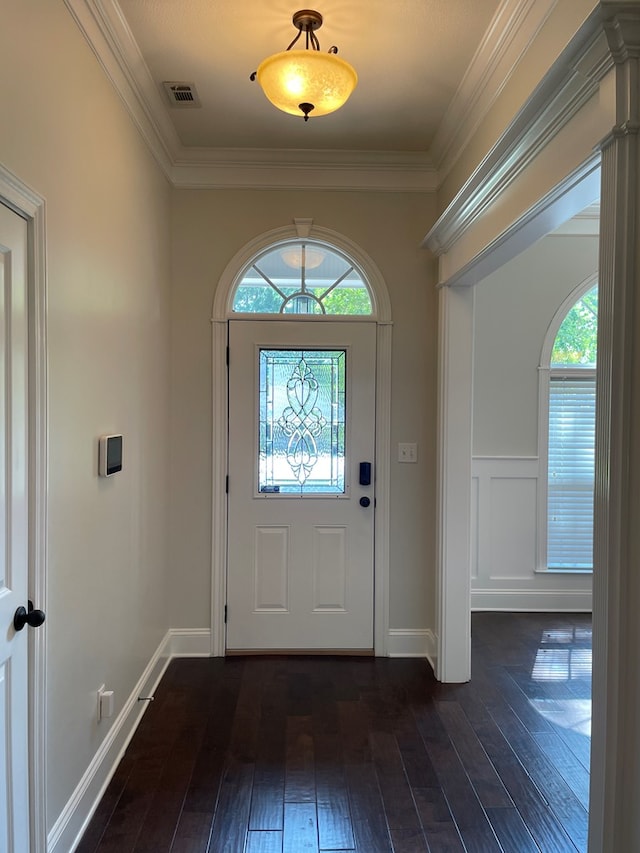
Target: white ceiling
x=428, y=71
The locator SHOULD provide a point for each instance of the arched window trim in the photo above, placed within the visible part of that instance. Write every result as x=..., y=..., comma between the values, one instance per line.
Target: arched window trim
x=302, y=229
x=309, y=244
x=544, y=380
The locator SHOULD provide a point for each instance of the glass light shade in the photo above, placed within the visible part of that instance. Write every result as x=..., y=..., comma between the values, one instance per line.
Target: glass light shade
x=294, y=77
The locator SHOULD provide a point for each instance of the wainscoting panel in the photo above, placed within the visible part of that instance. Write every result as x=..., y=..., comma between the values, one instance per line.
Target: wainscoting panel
x=512, y=516
x=505, y=564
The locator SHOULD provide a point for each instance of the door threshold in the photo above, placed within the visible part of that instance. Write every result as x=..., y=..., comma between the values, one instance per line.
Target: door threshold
x=307, y=652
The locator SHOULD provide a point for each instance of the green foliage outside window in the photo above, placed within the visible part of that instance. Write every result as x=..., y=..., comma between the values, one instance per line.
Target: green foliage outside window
x=256, y=300
x=576, y=341
x=346, y=300
x=349, y=301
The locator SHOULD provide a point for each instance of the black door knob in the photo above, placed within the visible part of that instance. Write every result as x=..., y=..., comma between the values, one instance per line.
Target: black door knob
x=365, y=502
x=31, y=617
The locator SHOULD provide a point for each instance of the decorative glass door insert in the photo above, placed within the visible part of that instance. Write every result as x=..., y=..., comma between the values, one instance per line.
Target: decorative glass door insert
x=302, y=403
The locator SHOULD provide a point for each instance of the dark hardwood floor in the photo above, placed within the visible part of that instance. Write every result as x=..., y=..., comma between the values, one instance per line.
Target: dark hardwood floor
x=310, y=755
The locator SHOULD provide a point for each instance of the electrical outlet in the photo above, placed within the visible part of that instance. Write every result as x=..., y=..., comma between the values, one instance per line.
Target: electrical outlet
x=407, y=452
x=105, y=703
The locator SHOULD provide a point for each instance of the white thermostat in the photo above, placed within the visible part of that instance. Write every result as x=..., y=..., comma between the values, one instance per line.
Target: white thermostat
x=109, y=455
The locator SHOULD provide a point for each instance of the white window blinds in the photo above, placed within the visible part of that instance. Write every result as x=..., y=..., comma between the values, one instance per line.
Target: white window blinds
x=572, y=406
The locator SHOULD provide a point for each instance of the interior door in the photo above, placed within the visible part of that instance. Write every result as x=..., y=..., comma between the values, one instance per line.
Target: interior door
x=14, y=517
x=301, y=504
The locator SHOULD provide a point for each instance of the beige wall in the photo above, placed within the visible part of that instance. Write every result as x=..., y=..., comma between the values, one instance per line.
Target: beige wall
x=66, y=134
x=209, y=227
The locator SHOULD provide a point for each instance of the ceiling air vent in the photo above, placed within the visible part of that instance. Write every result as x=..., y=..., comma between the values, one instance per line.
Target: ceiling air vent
x=181, y=94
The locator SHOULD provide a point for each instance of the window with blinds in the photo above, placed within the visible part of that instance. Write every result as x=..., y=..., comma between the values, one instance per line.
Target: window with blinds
x=572, y=408
x=570, y=436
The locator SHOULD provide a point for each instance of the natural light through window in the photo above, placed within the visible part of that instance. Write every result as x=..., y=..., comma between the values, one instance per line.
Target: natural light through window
x=561, y=679
x=571, y=452
x=561, y=664
x=302, y=277
x=302, y=421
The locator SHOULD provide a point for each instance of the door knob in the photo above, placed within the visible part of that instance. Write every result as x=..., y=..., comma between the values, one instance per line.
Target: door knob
x=31, y=617
x=365, y=502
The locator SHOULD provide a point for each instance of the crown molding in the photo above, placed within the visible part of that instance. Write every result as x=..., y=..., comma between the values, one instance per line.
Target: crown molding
x=280, y=172
x=514, y=27
x=570, y=83
x=105, y=28
x=265, y=168
x=111, y=40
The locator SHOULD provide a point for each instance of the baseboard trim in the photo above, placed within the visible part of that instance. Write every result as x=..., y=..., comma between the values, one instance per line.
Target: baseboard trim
x=532, y=600
x=189, y=643
x=432, y=650
x=411, y=643
x=66, y=833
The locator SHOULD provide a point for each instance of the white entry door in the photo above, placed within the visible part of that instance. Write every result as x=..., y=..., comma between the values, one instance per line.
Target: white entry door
x=300, y=509
x=14, y=518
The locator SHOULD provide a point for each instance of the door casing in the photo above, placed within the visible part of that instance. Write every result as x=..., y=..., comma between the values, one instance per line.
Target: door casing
x=219, y=320
x=31, y=206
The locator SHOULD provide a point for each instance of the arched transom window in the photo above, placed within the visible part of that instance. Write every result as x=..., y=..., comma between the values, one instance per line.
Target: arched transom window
x=302, y=277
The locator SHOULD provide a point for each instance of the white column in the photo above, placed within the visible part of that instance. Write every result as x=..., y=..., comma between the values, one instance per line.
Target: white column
x=455, y=400
x=615, y=765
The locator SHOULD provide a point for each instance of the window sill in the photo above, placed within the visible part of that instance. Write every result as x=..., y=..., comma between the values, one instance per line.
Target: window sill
x=563, y=571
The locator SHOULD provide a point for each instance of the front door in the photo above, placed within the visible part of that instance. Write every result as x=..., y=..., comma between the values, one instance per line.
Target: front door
x=301, y=485
x=14, y=518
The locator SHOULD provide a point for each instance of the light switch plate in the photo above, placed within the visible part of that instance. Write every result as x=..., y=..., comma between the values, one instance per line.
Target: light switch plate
x=407, y=452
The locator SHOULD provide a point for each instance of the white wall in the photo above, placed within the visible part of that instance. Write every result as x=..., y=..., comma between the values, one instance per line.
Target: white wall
x=209, y=227
x=513, y=310
x=66, y=134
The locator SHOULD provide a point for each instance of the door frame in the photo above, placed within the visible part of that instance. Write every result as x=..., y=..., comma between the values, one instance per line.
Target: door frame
x=24, y=201
x=455, y=404
x=221, y=313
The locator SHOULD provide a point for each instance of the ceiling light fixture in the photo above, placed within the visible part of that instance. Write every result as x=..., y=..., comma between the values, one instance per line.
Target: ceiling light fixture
x=305, y=81
x=305, y=256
